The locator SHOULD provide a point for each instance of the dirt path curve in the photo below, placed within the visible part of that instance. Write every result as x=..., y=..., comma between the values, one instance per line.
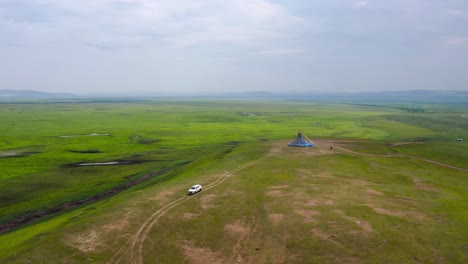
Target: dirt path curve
x=137, y=241
x=434, y=162
x=338, y=145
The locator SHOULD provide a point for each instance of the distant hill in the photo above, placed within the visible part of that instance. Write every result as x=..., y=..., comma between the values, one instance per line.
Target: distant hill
x=416, y=96
x=411, y=96
x=29, y=94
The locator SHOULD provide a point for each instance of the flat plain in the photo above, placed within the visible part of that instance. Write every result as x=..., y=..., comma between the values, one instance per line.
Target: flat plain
x=106, y=181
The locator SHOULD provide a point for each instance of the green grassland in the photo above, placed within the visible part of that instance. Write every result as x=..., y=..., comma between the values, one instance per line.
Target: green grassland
x=296, y=206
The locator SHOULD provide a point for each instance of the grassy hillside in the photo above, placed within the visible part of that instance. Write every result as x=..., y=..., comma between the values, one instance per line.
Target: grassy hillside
x=296, y=205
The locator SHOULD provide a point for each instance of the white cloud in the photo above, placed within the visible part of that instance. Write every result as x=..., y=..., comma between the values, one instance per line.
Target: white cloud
x=457, y=13
x=282, y=51
x=360, y=4
x=180, y=23
x=457, y=41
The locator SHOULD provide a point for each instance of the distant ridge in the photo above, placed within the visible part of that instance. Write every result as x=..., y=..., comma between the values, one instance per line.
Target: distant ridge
x=416, y=96
x=30, y=94
x=408, y=96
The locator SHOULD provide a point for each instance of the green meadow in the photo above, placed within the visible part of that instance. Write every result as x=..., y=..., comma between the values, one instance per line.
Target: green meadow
x=364, y=194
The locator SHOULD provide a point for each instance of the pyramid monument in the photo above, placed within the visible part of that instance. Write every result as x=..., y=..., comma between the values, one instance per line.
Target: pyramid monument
x=301, y=141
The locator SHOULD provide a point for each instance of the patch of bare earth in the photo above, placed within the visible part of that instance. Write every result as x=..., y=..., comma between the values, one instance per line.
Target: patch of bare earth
x=310, y=176
x=86, y=242
x=309, y=215
x=277, y=149
x=408, y=201
x=397, y=213
x=405, y=143
x=312, y=202
x=317, y=202
x=418, y=184
x=198, y=255
x=163, y=197
x=276, y=218
x=373, y=192
x=364, y=225
x=237, y=227
x=189, y=216
x=357, y=182
x=276, y=193
x=118, y=225
x=324, y=236
x=241, y=232
x=279, y=187
x=207, y=201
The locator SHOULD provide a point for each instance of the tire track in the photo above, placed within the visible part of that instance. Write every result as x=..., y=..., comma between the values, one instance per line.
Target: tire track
x=137, y=241
x=341, y=147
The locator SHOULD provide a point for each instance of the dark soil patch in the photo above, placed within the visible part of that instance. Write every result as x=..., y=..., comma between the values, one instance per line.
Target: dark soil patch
x=141, y=140
x=88, y=151
x=37, y=215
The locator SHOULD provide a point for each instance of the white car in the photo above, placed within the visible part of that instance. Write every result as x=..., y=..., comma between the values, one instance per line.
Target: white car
x=194, y=189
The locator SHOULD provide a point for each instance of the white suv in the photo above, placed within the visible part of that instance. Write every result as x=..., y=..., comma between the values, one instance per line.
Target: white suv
x=194, y=189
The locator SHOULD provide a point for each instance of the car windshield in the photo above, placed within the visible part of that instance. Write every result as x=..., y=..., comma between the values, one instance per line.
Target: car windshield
x=194, y=187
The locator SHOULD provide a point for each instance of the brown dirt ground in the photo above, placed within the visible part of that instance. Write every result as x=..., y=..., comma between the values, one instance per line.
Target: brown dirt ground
x=404, y=214
x=189, y=216
x=374, y=192
x=276, y=219
x=207, y=201
x=361, y=223
x=87, y=242
x=198, y=255
x=237, y=227
x=276, y=193
x=310, y=216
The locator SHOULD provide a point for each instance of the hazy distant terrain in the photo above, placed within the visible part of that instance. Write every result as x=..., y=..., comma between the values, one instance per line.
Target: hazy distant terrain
x=30, y=94
x=417, y=96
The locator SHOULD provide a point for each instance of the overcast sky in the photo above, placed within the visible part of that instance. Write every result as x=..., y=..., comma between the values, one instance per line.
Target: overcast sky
x=233, y=45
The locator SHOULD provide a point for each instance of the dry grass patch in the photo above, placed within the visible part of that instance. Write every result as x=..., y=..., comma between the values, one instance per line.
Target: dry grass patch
x=198, y=255
x=189, y=216
x=276, y=219
x=207, y=201
x=119, y=224
x=418, y=184
x=404, y=214
x=86, y=242
x=357, y=182
x=279, y=187
x=310, y=175
x=408, y=201
x=164, y=196
x=276, y=193
x=309, y=215
x=364, y=225
x=324, y=236
x=373, y=192
x=312, y=202
x=237, y=227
